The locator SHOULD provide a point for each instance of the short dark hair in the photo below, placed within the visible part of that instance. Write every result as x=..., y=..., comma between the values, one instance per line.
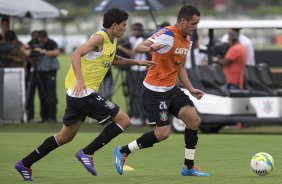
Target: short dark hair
x=42, y=34
x=137, y=26
x=5, y=19
x=187, y=12
x=114, y=15
x=234, y=36
x=10, y=36
x=164, y=24
x=236, y=30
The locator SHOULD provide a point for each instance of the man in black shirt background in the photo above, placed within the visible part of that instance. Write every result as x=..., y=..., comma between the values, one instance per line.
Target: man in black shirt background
x=46, y=67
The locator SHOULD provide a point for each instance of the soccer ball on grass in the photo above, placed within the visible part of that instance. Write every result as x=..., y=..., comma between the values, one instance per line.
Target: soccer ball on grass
x=262, y=163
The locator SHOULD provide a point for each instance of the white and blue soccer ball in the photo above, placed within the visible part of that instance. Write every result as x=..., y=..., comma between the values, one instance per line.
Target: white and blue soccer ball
x=262, y=163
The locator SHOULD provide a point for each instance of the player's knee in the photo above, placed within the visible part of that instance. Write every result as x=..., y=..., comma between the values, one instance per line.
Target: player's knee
x=124, y=122
x=195, y=123
x=63, y=139
x=162, y=133
x=122, y=119
x=127, y=122
x=68, y=139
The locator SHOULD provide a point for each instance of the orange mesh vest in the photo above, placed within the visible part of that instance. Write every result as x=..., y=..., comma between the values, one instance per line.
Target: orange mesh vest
x=164, y=73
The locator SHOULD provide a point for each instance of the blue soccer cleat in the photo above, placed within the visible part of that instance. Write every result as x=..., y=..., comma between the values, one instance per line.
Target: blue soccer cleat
x=87, y=162
x=25, y=172
x=195, y=171
x=118, y=160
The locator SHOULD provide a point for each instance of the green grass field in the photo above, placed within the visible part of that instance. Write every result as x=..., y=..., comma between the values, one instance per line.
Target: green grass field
x=225, y=156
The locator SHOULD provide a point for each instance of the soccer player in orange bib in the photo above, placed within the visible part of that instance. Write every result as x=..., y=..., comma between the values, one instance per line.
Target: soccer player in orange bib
x=169, y=47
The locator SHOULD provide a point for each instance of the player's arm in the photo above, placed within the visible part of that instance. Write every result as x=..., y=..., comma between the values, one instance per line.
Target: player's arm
x=94, y=43
x=128, y=52
x=148, y=46
x=184, y=79
x=118, y=60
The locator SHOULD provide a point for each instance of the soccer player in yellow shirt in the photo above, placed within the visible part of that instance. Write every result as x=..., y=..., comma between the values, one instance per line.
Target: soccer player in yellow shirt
x=90, y=63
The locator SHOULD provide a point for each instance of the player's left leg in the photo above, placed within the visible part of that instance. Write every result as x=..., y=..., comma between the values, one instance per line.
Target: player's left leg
x=121, y=122
x=156, y=106
x=66, y=134
x=147, y=140
x=192, y=121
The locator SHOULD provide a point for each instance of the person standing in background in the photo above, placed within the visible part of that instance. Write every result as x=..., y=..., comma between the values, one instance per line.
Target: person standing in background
x=246, y=42
x=47, y=66
x=32, y=74
x=200, y=53
x=136, y=75
x=16, y=57
x=5, y=25
x=233, y=62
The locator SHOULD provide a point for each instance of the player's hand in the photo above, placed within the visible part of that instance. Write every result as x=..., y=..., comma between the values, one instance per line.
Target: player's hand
x=79, y=88
x=197, y=93
x=146, y=63
x=156, y=47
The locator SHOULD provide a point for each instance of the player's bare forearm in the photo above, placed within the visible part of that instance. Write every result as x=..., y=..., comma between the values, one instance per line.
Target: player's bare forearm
x=141, y=48
x=184, y=79
x=149, y=48
x=144, y=46
x=94, y=42
x=123, y=61
x=76, y=65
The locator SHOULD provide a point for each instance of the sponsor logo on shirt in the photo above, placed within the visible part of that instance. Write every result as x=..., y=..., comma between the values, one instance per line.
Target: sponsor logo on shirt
x=181, y=51
x=112, y=53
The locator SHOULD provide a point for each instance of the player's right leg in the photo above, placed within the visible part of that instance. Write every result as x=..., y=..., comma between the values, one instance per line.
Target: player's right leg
x=190, y=117
x=147, y=140
x=64, y=136
x=157, y=111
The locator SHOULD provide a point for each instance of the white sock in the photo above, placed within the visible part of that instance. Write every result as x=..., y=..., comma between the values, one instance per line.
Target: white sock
x=133, y=146
x=189, y=153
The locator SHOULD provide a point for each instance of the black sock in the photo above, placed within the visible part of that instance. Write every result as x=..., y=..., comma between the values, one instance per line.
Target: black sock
x=147, y=140
x=191, y=140
x=48, y=145
x=110, y=132
x=125, y=149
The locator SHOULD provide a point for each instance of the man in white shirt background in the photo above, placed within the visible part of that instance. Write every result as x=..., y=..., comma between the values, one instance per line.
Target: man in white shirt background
x=136, y=74
x=200, y=53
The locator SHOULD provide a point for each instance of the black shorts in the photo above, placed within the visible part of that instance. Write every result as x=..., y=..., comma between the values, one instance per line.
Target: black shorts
x=93, y=106
x=160, y=105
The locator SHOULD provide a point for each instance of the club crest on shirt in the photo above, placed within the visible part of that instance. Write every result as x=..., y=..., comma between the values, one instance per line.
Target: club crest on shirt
x=109, y=104
x=163, y=116
x=107, y=64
